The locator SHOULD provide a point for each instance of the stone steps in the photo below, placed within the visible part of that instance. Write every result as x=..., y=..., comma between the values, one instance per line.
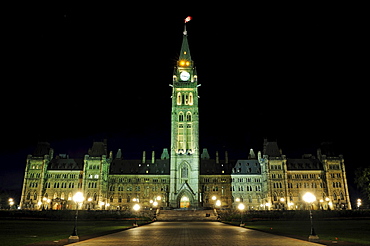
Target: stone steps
x=186, y=215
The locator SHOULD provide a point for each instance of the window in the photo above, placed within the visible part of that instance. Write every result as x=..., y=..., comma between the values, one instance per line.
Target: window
x=181, y=116
x=341, y=196
x=191, y=99
x=275, y=197
x=188, y=116
x=179, y=98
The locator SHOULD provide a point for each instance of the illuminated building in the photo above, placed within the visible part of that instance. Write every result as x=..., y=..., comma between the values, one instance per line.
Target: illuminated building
x=184, y=175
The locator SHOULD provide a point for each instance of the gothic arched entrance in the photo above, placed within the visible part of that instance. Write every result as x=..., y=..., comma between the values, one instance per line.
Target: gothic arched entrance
x=185, y=199
x=184, y=202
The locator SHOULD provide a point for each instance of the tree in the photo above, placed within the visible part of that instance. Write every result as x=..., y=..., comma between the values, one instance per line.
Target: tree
x=362, y=180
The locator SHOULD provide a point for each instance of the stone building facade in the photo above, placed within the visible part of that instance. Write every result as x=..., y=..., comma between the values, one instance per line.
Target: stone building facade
x=184, y=175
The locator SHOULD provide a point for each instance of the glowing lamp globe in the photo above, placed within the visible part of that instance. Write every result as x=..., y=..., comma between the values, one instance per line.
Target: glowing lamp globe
x=309, y=197
x=136, y=207
x=78, y=197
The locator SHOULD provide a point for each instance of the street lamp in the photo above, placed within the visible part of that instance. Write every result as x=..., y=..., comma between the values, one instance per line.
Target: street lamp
x=218, y=203
x=310, y=198
x=136, y=207
x=77, y=198
x=11, y=203
x=359, y=203
x=241, y=208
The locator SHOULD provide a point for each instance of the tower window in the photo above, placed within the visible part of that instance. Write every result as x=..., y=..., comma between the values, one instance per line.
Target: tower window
x=188, y=116
x=179, y=98
x=181, y=117
x=191, y=99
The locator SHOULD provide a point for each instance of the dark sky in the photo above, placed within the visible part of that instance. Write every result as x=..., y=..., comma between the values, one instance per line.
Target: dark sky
x=75, y=74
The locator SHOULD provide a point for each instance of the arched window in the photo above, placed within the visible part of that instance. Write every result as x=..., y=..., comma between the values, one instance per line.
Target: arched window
x=184, y=172
x=191, y=101
x=275, y=196
x=181, y=116
x=186, y=99
x=188, y=116
x=179, y=98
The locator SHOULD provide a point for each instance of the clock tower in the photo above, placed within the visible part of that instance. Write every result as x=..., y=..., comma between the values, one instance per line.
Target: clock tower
x=184, y=170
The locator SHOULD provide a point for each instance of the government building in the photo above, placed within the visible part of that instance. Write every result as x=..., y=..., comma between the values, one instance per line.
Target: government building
x=184, y=176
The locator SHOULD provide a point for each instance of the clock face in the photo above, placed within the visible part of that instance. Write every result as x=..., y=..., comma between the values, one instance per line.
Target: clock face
x=184, y=76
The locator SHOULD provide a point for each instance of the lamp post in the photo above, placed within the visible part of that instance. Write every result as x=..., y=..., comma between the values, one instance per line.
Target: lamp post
x=11, y=203
x=136, y=207
x=310, y=198
x=241, y=208
x=218, y=203
x=77, y=198
x=282, y=200
x=359, y=203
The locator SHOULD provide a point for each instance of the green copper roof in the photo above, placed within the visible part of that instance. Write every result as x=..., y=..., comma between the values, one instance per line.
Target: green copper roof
x=185, y=51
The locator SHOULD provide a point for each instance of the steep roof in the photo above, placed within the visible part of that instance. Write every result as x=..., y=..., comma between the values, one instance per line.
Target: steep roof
x=210, y=166
x=42, y=148
x=304, y=164
x=65, y=164
x=119, y=166
x=185, y=50
x=247, y=167
x=98, y=149
x=271, y=149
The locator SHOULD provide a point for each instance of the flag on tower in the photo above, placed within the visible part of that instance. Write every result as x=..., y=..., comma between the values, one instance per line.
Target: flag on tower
x=188, y=19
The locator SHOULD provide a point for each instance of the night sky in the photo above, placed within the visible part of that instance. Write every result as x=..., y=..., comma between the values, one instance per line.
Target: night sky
x=78, y=74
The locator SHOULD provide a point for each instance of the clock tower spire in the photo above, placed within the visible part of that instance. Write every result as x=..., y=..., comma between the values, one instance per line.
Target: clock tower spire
x=184, y=185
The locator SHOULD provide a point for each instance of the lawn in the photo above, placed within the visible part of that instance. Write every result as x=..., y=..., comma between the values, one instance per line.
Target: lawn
x=23, y=232
x=355, y=231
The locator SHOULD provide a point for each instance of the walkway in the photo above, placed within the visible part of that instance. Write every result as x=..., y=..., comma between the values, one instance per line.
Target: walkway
x=191, y=233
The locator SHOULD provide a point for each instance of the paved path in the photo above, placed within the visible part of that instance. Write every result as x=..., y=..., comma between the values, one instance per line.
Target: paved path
x=191, y=233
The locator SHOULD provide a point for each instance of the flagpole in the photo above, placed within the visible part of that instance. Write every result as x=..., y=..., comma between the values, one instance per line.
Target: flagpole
x=187, y=19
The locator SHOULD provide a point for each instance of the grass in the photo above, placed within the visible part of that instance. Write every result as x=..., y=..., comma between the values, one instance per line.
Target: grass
x=23, y=232
x=354, y=231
